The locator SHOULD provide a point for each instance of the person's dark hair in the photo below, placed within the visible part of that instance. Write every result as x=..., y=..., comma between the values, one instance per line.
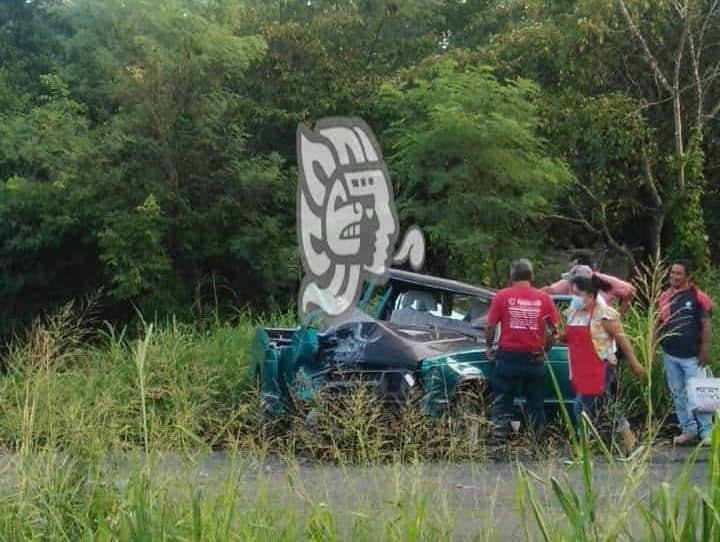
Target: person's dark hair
x=521, y=270
x=585, y=284
x=580, y=258
x=686, y=265
x=600, y=284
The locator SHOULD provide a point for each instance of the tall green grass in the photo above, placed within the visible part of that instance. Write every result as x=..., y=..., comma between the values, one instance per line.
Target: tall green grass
x=89, y=389
x=58, y=498
x=176, y=387
x=647, y=401
x=88, y=416
x=638, y=508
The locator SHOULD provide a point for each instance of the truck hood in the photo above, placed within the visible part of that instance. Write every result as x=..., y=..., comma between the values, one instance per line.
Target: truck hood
x=379, y=345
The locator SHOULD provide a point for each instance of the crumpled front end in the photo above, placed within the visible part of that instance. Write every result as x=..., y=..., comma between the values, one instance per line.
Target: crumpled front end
x=398, y=364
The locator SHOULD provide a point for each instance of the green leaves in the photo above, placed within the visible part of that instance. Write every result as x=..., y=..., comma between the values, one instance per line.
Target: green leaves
x=468, y=158
x=132, y=251
x=105, y=102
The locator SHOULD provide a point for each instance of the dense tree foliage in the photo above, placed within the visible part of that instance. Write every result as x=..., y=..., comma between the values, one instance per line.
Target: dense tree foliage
x=147, y=147
x=469, y=143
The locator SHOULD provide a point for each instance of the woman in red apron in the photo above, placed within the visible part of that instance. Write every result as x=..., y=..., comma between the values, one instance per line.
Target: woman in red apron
x=593, y=332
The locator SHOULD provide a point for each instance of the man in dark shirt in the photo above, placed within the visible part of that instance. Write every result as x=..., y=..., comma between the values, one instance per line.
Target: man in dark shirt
x=685, y=314
x=526, y=317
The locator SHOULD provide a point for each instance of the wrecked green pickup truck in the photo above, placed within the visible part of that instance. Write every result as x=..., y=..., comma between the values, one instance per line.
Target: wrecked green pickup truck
x=417, y=338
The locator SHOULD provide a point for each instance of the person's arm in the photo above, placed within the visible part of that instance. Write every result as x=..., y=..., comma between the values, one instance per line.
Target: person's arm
x=551, y=335
x=624, y=291
x=492, y=320
x=561, y=287
x=551, y=323
x=626, y=299
x=705, y=340
x=489, y=340
x=567, y=315
x=615, y=330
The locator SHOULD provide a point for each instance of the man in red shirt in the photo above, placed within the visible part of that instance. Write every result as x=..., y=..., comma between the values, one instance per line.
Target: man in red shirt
x=527, y=319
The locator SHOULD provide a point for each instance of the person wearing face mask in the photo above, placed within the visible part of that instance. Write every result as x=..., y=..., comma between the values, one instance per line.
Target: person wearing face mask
x=593, y=332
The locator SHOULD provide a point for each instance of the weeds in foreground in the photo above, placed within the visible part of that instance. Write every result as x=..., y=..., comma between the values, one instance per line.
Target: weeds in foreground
x=645, y=401
x=633, y=507
x=70, y=407
x=60, y=498
x=176, y=388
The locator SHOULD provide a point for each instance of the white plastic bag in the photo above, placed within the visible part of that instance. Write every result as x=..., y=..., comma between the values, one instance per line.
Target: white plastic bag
x=704, y=392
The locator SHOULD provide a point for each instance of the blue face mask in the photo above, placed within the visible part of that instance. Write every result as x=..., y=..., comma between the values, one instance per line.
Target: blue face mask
x=576, y=303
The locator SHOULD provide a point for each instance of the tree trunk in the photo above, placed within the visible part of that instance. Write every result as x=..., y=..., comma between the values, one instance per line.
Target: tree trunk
x=655, y=230
x=679, y=145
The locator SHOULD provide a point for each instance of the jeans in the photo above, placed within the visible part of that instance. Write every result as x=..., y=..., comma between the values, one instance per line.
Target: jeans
x=514, y=369
x=678, y=372
x=603, y=410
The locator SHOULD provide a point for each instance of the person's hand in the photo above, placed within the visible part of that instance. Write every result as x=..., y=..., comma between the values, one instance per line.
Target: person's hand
x=703, y=358
x=639, y=371
x=490, y=354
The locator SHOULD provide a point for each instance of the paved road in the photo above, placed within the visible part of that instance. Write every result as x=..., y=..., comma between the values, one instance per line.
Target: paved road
x=477, y=500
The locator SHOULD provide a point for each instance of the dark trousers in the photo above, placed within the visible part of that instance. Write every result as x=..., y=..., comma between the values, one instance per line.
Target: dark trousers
x=518, y=372
x=594, y=405
x=604, y=411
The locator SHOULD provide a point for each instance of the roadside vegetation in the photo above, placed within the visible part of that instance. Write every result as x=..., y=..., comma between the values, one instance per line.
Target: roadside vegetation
x=72, y=381
x=92, y=415
x=148, y=152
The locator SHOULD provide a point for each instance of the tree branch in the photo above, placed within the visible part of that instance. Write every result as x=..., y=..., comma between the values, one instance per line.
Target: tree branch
x=585, y=189
x=710, y=74
x=706, y=22
x=615, y=244
x=695, y=63
x=376, y=38
x=649, y=57
x=677, y=105
x=714, y=111
x=581, y=221
x=603, y=230
x=647, y=169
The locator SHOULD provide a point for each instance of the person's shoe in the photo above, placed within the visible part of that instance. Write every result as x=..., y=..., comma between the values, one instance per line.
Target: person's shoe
x=685, y=439
x=629, y=441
